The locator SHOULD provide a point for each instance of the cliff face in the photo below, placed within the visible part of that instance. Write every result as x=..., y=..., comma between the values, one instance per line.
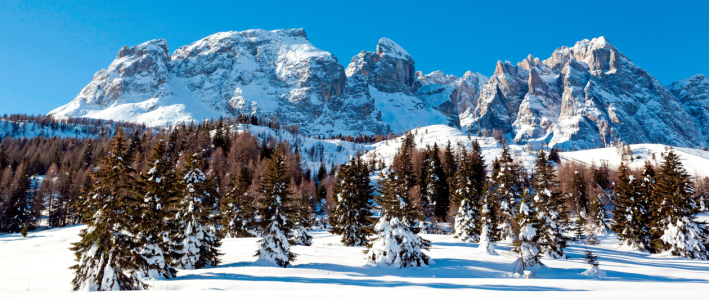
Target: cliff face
x=586, y=96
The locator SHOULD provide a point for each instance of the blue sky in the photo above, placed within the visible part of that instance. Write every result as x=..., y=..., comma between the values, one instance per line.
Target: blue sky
x=49, y=50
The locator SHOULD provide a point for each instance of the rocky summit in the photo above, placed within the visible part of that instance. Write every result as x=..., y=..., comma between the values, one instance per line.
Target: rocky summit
x=586, y=96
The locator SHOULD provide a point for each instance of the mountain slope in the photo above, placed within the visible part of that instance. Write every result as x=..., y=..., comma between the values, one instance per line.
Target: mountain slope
x=586, y=96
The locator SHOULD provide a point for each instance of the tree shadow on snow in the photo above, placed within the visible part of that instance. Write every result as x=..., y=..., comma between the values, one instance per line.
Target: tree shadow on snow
x=367, y=282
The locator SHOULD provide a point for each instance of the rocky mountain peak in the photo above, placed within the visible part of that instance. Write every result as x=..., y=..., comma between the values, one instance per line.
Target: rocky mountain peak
x=390, y=69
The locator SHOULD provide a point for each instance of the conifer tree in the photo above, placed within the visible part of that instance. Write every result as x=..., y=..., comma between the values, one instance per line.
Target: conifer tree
x=488, y=232
x=468, y=194
x=549, y=213
x=105, y=255
x=629, y=214
x=17, y=213
x=526, y=245
x=274, y=199
x=352, y=216
x=508, y=191
x=435, y=185
x=579, y=197
x=396, y=243
x=598, y=214
x=196, y=229
x=301, y=223
x=673, y=217
x=238, y=211
x=160, y=189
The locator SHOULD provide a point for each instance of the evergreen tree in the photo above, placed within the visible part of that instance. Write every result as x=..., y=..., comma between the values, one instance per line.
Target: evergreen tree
x=549, y=213
x=526, y=245
x=107, y=250
x=196, y=229
x=159, y=188
x=508, y=191
x=579, y=197
x=598, y=215
x=274, y=197
x=468, y=195
x=238, y=211
x=488, y=232
x=673, y=217
x=435, y=185
x=352, y=216
x=629, y=214
x=301, y=223
x=396, y=242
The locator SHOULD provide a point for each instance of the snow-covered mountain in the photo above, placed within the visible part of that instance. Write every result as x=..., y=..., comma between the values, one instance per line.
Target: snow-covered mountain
x=586, y=96
x=276, y=74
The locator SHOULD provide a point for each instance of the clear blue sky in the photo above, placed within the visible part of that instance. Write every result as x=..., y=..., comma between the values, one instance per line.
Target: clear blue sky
x=49, y=50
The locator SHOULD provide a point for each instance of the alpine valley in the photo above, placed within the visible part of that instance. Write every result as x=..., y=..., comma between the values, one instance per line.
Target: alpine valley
x=581, y=97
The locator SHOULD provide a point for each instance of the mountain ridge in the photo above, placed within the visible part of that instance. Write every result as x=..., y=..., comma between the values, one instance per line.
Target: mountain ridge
x=586, y=96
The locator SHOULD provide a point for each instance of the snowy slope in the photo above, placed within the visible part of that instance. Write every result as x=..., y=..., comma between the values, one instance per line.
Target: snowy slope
x=30, y=129
x=36, y=267
x=695, y=161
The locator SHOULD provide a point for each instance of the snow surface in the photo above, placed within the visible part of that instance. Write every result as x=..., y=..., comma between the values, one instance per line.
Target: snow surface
x=36, y=267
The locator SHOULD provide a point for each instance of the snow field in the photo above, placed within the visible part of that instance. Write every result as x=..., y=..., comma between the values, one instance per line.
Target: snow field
x=36, y=267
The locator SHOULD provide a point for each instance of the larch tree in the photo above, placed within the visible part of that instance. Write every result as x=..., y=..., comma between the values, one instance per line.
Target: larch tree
x=351, y=217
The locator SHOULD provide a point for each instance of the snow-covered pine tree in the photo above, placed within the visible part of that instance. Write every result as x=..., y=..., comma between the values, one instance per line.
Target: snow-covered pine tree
x=549, y=212
x=594, y=270
x=629, y=214
x=508, y=192
x=16, y=213
x=674, y=213
x=196, y=229
x=395, y=243
x=238, y=211
x=301, y=223
x=488, y=231
x=435, y=187
x=352, y=216
x=160, y=190
x=106, y=253
x=526, y=245
x=468, y=194
x=579, y=197
x=598, y=215
x=274, y=199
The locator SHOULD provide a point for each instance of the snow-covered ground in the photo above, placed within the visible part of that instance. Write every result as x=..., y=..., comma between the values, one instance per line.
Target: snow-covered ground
x=36, y=267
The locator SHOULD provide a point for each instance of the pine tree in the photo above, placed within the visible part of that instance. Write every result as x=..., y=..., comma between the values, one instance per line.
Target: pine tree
x=592, y=260
x=395, y=243
x=579, y=197
x=488, y=232
x=301, y=223
x=274, y=197
x=196, y=229
x=238, y=211
x=629, y=214
x=468, y=195
x=526, y=245
x=352, y=216
x=674, y=212
x=435, y=185
x=508, y=191
x=549, y=213
x=159, y=188
x=107, y=249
